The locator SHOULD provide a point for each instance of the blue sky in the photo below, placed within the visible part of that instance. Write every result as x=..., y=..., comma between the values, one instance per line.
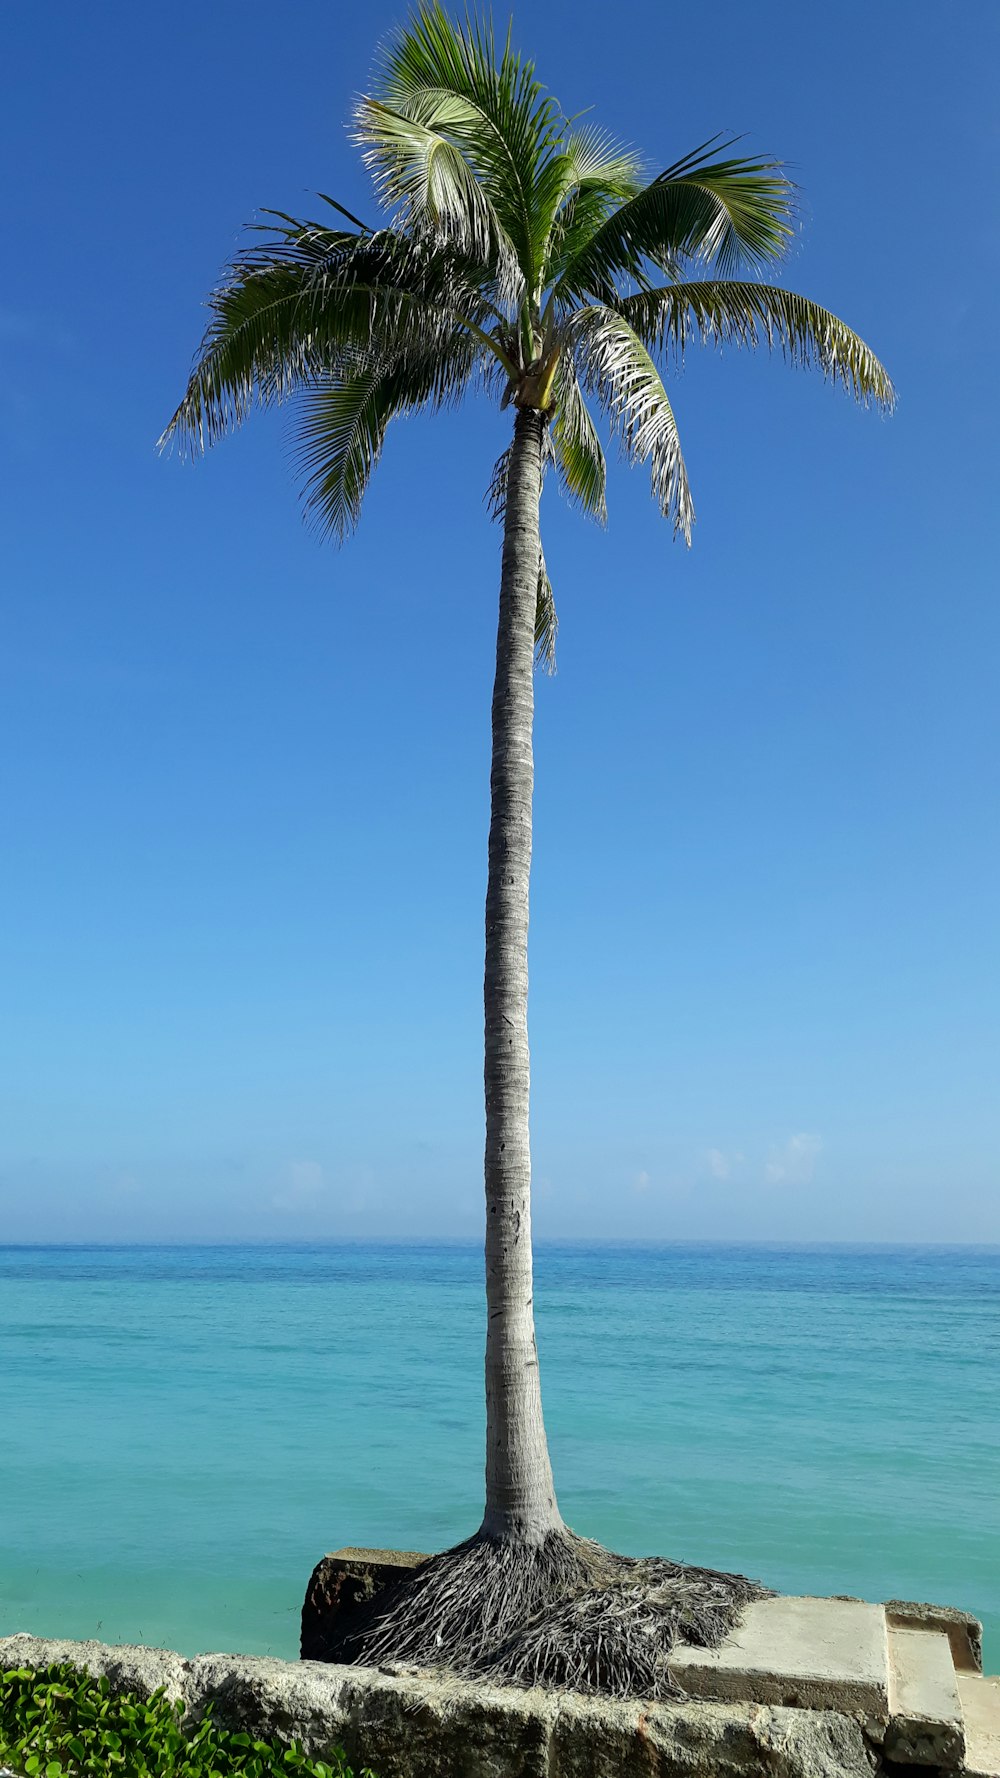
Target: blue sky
x=244, y=776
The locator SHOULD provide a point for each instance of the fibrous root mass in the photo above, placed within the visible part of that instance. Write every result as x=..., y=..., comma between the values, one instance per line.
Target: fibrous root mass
x=564, y=1612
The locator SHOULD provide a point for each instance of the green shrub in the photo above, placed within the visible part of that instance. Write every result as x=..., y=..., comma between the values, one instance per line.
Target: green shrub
x=59, y=1722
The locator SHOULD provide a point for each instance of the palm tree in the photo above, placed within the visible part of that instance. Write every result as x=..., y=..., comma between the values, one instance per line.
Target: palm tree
x=527, y=256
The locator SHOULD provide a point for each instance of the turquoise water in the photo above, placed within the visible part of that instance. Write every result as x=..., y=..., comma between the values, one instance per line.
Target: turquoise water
x=183, y=1431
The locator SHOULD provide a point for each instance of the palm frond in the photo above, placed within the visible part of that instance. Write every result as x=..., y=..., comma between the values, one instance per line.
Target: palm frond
x=255, y=348
x=748, y=314
x=491, y=107
x=578, y=453
x=496, y=493
x=546, y=621
x=728, y=213
x=341, y=423
x=341, y=430
x=390, y=260
x=577, y=190
x=303, y=305
x=424, y=177
x=495, y=498
x=616, y=368
x=597, y=159
x=363, y=227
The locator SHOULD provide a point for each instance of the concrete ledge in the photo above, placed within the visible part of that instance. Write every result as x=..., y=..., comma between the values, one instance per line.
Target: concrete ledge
x=926, y=1725
x=824, y=1654
x=964, y=1632
x=413, y=1725
x=981, y=1706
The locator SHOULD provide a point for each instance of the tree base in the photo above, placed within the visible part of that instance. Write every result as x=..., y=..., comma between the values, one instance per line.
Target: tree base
x=562, y=1613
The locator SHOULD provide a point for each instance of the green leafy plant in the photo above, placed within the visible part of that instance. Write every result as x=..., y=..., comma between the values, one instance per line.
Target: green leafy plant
x=59, y=1722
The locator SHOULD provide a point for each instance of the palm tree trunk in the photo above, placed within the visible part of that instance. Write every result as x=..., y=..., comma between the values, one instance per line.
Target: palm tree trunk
x=520, y=1497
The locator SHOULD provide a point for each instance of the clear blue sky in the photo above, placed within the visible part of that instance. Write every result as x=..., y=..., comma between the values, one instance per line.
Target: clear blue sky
x=244, y=776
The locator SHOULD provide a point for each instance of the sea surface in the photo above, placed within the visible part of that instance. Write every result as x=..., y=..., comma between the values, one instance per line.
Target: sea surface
x=185, y=1430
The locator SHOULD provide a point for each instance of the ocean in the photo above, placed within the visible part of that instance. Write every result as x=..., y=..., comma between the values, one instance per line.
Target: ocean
x=185, y=1430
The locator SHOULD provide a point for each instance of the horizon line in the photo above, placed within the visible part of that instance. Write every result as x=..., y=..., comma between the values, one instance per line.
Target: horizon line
x=466, y=1241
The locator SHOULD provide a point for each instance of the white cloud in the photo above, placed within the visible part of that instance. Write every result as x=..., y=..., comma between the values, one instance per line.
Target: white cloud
x=719, y=1165
x=303, y=1183
x=641, y=1182
x=793, y=1162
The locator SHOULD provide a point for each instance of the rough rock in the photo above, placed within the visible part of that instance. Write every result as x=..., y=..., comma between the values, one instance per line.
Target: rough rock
x=600, y=1739
x=340, y=1583
x=307, y=1701
x=414, y=1726
x=405, y=1724
x=128, y=1669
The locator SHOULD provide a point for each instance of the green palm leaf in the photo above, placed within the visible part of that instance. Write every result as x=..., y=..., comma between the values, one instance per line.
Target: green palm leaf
x=341, y=430
x=425, y=177
x=304, y=305
x=578, y=453
x=729, y=213
x=493, y=109
x=616, y=368
x=341, y=424
x=255, y=348
x=747, y=314
x=578, y=189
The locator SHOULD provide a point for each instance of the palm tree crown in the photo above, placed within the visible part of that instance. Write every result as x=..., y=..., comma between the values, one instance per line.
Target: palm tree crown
x=521, y=251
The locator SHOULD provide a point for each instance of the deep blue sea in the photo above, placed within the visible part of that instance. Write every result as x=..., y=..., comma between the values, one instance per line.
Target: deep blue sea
x=185, y=1430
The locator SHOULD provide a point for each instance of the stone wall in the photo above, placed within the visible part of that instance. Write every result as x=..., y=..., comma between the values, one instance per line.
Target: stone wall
x=405, y=1724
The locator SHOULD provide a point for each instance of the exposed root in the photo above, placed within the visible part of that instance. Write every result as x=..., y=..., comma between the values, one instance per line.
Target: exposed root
x=564, y=1613
x=617, y=1638
x=459, y=1607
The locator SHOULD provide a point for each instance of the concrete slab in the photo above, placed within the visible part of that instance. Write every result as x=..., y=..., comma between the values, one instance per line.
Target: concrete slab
x=824, y=1654
x=964, y=1632
x=926, y=1724
x=981, y=1704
